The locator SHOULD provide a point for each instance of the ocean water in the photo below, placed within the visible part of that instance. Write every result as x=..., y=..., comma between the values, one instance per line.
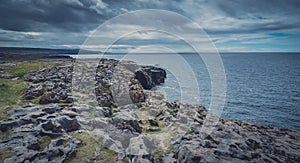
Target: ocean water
x=261, y=87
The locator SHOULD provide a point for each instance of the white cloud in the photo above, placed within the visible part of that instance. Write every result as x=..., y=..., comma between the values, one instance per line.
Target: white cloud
x=99, y=6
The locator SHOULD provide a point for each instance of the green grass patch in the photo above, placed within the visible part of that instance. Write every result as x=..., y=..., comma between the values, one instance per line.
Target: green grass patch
x=5, y=153
x=12, y=91
x=23, y=68
x=114, y=104
x=5, y=135
x=87, y=147
x=92, y=113
x=44, y=142
x=11, y=94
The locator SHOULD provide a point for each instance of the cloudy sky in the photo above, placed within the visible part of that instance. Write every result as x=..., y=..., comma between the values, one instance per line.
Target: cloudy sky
x=232, y=25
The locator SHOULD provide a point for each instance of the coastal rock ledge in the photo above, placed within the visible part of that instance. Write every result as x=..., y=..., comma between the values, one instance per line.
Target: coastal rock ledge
x=143, y=127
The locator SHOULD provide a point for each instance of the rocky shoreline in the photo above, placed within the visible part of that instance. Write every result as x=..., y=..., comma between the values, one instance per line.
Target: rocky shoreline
x=135, y=125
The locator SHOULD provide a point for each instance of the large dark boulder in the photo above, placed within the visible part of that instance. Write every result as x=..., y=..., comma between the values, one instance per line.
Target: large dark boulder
x=150, y=76
x=144, y=79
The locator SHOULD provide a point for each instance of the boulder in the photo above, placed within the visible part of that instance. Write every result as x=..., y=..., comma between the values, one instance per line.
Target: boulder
x=185, y=154
x=49, y=97
x=68, y=124
x=51, y=126
x=34, y=146
x=150, y=76
x=5, y=125
x=144, y=79
x=132, y=125
x=153, y=122
x=136, y=93
x=157, y=74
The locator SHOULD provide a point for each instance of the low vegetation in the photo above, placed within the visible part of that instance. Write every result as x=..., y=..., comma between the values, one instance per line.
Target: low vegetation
x=22, y=68
x=12, y=92
x=5, y=153
x=5, y=135
x=44, y=142
x=87, y=148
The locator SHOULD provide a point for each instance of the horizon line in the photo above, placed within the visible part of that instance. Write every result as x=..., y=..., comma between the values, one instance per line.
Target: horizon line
x=51, y=48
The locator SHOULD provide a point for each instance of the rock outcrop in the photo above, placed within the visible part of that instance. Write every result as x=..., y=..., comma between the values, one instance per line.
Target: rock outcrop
x=52, y=84
x=30, y=127
x=133, y=120
x=150, y=76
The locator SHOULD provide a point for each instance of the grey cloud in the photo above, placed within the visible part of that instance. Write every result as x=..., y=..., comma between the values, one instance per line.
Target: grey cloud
x=73, y=19
x=260, y=15
x=67, y=15
x=33, y=15
x=84, y=15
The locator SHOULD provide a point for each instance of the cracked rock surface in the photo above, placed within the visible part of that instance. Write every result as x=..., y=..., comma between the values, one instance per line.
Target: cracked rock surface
x=116, y=104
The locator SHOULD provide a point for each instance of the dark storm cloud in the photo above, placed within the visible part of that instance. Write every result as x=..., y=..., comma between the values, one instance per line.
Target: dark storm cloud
x=68, y=15
x=83, y=15
x=69, y=22
x=35, y=15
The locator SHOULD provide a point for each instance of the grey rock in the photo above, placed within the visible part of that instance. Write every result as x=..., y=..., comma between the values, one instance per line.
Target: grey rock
x=144, y=79
x=150, y=76
x=33, y=91
x=132, y=125
x=49, y=97
x=180, y=134
x=153, y=122
x=168, y=159
x=68, y=124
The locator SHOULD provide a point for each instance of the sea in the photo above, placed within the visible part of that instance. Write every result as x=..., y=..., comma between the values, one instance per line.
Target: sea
x=260, y=87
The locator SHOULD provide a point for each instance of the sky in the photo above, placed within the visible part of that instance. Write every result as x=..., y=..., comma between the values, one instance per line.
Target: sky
x=231, y=25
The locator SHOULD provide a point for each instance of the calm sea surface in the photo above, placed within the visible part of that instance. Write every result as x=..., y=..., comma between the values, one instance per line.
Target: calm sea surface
x=263, y=88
